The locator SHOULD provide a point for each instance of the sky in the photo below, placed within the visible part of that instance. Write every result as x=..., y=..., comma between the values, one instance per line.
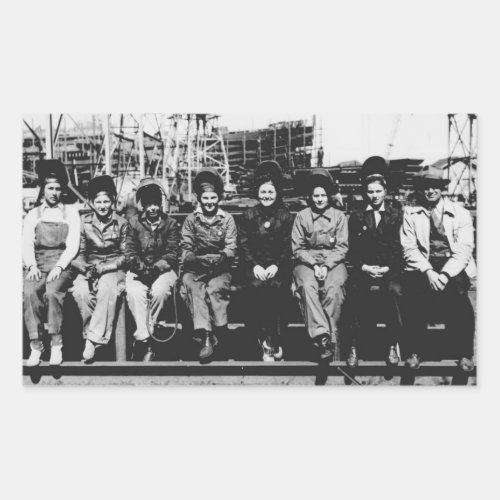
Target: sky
x=344, y=136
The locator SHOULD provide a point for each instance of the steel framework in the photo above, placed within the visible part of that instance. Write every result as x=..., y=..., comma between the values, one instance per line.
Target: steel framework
x=182, y=144
x=462, y=149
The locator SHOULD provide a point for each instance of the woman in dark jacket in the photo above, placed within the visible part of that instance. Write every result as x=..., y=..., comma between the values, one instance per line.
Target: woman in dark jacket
x=266, y=253
x=105, y=250
x=376, y=256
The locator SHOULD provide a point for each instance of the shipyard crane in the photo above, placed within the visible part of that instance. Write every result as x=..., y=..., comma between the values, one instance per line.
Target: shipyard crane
x=392, y=137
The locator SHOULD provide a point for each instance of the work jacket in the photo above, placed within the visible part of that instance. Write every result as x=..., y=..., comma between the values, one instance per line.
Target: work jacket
x=376, y=245
x=202, y=238
x=415, y=239
x=265, y=237
x=320, y=239
x=160, y=245
x=111, y=246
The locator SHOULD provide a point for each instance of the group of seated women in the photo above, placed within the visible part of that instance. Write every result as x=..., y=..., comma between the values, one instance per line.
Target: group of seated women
x=411, y=258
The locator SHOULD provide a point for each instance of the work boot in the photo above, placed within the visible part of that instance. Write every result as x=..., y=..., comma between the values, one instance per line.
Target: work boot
x=207, y=350
x=35, y=355
x=392, y=358
x=149, y=355
x=325, y=346
x=352, y=360
x=56, y=355
x=466, y=365
x=413, y=362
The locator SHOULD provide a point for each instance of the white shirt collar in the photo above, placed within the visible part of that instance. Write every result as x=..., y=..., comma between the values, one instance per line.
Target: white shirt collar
x=45, y=205
x=381, y=209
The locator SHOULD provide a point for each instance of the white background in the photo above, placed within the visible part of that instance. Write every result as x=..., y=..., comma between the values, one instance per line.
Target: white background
x=246, y=57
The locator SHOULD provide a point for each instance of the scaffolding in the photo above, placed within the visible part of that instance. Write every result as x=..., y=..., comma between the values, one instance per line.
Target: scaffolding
x=462, y=155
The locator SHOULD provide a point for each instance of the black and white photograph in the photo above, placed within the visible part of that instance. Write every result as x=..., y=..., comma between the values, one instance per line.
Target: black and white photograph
x=249, y=249
x=200, y=248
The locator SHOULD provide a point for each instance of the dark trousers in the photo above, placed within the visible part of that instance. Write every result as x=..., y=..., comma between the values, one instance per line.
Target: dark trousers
x=453, y=304
x=360, y=306
x=266, y=305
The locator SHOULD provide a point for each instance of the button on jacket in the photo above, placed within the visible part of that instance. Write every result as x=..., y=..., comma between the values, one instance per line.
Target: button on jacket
x=415, y=235
x=320, y=238
x=265, y=237
x=204, y=238
x=111, y=245
x=376, y=245
x=161, y=243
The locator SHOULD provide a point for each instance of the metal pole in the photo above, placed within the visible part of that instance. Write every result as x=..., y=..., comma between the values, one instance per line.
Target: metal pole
x=289, y=148
x=189, y=156
x=107, y=144
x=49, y=138
x=141, y=147
x=449, y=145
x=471, y=118
x=274, y=143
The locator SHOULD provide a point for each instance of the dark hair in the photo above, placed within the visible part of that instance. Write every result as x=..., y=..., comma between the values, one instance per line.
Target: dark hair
x=375, y=178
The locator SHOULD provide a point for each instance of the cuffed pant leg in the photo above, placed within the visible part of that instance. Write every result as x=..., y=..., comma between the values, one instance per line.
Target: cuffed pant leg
x=218, y=289
x=101, y=323
x=332, y=295
x=137, y=299
x=193, y=292
x=55, y=294
x=33, y=306
x=85, y=300
x=307, y=289
x=161, y=290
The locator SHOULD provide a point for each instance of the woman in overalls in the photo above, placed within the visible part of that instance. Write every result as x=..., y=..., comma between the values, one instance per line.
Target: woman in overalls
x=266, y=257
x=51, y=236
x=106, y=248
x=319, y=246
x=208, y=243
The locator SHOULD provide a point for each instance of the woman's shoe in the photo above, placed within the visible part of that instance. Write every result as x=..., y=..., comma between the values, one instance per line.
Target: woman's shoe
x=56, y=355
x=89, y=351
x=34, y=359
x=209, y=343
x=392, y=358
x=267, y=352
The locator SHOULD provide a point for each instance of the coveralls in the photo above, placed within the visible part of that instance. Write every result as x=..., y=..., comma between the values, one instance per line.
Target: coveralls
x=160, y=245
x=206, y=290
x=109, y=245
x=322, y=239
x=50, y=239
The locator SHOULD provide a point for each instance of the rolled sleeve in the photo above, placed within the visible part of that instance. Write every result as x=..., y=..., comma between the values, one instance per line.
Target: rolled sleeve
x=29, y=239
x=73, y=238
